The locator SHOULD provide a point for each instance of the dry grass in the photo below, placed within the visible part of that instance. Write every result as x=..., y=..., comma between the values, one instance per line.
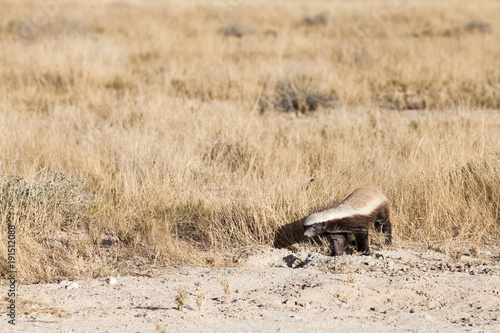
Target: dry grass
x=200, y=300
x=161, y=112
x=34, y=308
x=180, y=299
x=226, y=286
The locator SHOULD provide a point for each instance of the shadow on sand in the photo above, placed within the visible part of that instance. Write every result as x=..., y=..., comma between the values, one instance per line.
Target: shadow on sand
x=290, y=234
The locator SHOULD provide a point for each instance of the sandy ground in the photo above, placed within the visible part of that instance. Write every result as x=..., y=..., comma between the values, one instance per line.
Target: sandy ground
x=274, y=290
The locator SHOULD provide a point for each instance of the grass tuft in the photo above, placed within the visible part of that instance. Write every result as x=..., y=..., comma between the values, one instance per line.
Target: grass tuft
x=226, y=286
x=180, y=299
x=478, y=26
x=234, y=29
x=297, y=96
x=316, y=20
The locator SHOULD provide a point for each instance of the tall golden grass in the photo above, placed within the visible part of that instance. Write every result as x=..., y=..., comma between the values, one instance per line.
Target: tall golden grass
x=134, y=129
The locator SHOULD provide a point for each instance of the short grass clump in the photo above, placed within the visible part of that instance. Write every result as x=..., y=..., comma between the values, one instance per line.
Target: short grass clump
x=200, y=300
x=316, y=20
x=226, y=286
x=297, y=96
x=180, y=299
x=234, y=29
x=478, y=26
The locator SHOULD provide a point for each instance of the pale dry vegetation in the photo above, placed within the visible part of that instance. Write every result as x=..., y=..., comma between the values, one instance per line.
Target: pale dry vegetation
x=152, y=113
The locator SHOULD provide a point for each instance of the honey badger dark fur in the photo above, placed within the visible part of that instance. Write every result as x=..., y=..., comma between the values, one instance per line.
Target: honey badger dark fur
x=353, y=215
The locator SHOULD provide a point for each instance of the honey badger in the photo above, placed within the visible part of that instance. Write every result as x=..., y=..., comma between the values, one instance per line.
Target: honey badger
x=353, y=215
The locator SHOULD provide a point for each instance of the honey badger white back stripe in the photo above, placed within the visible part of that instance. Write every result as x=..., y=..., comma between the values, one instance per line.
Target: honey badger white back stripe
x=361, y=202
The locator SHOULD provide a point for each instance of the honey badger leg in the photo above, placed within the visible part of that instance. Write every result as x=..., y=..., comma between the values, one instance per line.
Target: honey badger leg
x=386, y=229
x=337, y=243
x=383, y=221
x=362, y=241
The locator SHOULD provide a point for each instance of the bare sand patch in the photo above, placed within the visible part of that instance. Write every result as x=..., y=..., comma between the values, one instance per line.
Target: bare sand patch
x=397, y=290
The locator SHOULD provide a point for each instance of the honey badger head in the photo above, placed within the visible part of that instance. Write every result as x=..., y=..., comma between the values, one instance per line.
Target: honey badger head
x=314, y=229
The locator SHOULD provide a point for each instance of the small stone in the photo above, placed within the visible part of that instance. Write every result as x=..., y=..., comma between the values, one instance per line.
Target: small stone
x=111, y=280
x=74, y=285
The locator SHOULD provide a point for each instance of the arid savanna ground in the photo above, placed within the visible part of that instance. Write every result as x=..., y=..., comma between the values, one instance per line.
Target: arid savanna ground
x=176, y=136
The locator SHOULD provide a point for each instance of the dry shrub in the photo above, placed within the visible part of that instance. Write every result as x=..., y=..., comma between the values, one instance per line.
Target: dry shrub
x=405, y=100
x=235, y=29
x=478, y=26
x=318, y=19
x=27, y=30
x=297, y=96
